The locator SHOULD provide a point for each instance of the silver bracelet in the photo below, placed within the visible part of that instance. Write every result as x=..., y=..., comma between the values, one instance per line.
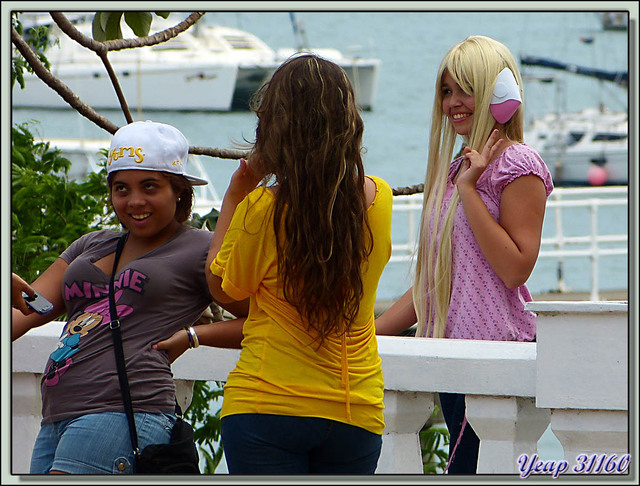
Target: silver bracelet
x=194, y=337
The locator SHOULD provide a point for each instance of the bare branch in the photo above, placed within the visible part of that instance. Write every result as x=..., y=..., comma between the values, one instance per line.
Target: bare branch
x=116, y=86
x=116, y=45
x=219, y=153
x=158, y=38
x=407, y=191
x=58, y=86
x=68, y=28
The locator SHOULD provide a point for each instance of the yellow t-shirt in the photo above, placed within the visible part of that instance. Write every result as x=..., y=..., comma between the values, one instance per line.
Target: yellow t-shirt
x=281, y=369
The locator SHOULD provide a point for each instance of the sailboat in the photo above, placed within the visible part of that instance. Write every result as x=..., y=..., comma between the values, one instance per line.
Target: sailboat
x=589, y=147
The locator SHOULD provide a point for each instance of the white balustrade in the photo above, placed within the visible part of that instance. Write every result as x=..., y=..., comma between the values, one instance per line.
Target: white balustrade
x=574, y=378
x=556, y=244
x=582, y=374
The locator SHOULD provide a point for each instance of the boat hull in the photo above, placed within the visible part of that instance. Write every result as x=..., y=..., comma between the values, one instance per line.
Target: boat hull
x=172, y=87
x=584, y=148
x=175, y=87
x=583, y=168
x=363, y=75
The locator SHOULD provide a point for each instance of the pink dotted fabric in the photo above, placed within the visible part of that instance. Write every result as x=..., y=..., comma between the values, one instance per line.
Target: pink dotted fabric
x=482, y=307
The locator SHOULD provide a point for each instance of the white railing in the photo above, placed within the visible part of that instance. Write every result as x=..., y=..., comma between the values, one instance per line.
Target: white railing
x=555, y=243
x=574, y=381
x=592, y=199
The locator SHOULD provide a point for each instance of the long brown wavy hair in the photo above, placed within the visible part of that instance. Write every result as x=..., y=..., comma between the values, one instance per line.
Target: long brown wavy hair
x=308, y=140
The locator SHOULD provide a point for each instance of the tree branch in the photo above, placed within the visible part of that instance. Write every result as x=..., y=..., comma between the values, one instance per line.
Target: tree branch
x=69, y=29
x=101, y=49
x=407, y=191
x=116, y=45
x=116, y=86
x=74, y=101
x=58, y=86
x=218, y=153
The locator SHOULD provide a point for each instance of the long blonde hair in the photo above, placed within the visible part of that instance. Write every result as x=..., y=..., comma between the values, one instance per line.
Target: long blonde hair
x=474, y=64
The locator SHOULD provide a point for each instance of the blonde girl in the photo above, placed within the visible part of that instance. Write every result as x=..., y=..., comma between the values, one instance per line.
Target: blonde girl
x=482, y=217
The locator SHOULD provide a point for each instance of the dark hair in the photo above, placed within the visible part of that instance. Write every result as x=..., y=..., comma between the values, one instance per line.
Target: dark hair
x=309, y=138
x=184, y=189
x=181, y=187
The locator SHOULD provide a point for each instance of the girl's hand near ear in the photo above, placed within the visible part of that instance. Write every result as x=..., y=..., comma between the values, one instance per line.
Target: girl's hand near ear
x=474, y=163
x=243, y=180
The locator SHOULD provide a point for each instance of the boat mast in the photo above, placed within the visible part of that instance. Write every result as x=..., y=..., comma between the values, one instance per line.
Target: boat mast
x=299, y=34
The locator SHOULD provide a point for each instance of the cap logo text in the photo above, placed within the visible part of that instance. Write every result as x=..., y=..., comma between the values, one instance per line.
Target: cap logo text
x=120, y=152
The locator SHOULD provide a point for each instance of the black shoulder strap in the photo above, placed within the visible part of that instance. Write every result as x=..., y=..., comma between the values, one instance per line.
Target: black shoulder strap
x=114, y=325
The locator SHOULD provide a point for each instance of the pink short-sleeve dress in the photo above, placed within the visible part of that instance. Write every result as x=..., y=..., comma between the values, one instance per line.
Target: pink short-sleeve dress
x=482, y=307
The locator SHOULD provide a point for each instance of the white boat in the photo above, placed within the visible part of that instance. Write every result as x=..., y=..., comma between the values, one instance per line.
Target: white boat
x=177, y=75
x=86, y=156
x=207, y=68
x=589, y=147
x=257, y=62
x=362, y=72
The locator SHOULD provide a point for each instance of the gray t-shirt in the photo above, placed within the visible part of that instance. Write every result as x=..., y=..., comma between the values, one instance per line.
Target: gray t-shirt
x=156, y=295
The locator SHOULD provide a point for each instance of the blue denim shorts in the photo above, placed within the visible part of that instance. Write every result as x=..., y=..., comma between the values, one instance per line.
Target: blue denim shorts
x=278, y=444
x=97, y=443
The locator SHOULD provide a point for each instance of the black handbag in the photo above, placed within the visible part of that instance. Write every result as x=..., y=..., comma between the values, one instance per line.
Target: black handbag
x=180, y=455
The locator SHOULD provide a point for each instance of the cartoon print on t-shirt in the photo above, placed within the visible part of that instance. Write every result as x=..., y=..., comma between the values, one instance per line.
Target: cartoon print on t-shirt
x=60, y=359
x=78, y=327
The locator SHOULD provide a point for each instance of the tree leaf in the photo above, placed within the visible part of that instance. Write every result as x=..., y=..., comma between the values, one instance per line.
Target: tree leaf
x=140, y=22
x=106, y=26
x=97, y=28
x=113, y=30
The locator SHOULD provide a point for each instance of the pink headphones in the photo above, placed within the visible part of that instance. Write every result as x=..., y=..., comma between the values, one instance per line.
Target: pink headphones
x=506, y=97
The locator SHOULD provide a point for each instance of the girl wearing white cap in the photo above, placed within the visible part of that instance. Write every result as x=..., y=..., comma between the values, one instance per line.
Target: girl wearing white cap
x=159, y=288
x=307, y=248
x=482, y=219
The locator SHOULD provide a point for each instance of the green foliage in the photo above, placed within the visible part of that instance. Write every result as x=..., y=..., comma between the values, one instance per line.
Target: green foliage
x=206, y=426
x=48, y=211
x=208, y=221
x=434, y=443
x=38, y=39
x=107, y=25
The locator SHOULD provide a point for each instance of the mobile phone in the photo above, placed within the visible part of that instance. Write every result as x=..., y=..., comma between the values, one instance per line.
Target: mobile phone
x=38, y=303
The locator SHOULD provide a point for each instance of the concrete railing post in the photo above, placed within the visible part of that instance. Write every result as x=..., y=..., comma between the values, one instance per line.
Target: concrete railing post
x=25, y=420
x=507, y=428
x=184, y=392
x=404, y=415
x=582, y=376
x=589, y=432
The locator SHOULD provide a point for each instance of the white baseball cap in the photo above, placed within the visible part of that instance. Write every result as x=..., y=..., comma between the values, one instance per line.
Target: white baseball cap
x=148, y=145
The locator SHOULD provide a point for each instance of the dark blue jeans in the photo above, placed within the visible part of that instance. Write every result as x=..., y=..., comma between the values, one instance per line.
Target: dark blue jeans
x=278, y=444
x=465, y=459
